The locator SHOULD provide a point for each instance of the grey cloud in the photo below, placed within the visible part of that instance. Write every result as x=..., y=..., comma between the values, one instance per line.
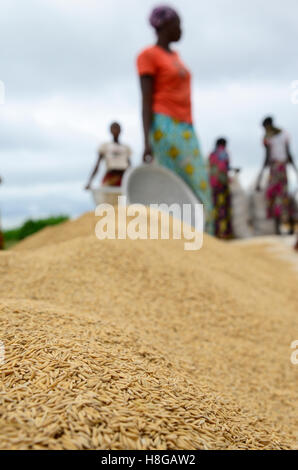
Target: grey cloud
x=67, y=199
x=26, y=133
x=50, y=49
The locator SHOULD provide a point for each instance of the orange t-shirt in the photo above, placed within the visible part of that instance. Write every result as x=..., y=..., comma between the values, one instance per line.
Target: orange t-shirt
x=172, y=82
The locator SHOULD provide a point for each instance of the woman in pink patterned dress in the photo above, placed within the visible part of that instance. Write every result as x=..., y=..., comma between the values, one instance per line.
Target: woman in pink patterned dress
x=219, y=165
x=278, y=157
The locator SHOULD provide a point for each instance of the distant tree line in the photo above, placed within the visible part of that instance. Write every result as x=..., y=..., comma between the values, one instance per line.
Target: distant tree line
x=30, y=227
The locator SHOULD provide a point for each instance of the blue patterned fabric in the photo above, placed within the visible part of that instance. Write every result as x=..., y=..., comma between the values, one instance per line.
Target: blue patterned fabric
x=176, y=147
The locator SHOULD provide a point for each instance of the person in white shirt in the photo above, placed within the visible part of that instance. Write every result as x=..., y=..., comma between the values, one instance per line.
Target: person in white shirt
x=278, y=157
x=116, y=157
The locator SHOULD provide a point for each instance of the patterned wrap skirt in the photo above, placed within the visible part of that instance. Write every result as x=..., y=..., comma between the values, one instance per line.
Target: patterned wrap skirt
x=223, y=212
x=176, y=147
x=279, y=203
x=113, y=178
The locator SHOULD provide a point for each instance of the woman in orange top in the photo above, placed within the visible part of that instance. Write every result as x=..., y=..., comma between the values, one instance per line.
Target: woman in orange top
x=169, y=135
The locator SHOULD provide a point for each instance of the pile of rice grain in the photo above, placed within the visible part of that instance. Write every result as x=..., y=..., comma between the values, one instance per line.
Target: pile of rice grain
x=141, y=345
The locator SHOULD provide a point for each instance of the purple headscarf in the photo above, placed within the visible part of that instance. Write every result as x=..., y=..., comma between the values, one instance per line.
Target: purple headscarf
x=162, y=15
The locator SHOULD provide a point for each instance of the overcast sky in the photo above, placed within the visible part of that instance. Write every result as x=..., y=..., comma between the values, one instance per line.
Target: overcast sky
x=68, y=67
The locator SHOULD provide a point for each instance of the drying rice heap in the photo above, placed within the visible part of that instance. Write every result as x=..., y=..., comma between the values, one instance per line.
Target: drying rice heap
x=141, y=345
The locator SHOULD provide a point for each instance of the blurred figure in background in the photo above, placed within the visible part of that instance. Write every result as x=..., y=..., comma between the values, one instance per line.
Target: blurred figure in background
x=116, y=157
x=219, y=165
x=277, y=158
x=169, y=135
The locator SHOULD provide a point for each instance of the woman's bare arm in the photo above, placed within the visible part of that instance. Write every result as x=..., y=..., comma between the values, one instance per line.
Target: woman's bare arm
x=291, y=159
x=265, y=164
x=147, y=83
x=94, y=172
